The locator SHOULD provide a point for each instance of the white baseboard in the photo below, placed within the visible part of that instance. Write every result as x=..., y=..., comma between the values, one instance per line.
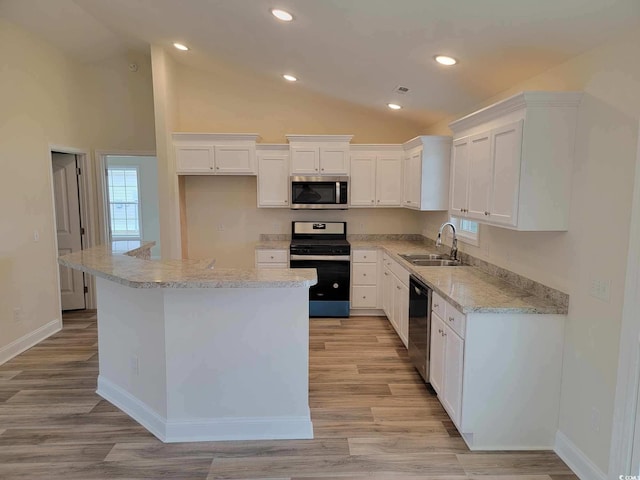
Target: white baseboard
x=575, y=458
x=201, y=430
x=29, y=340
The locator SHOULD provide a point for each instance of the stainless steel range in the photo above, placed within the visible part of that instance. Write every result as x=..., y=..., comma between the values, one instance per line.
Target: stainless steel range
x=324, y=246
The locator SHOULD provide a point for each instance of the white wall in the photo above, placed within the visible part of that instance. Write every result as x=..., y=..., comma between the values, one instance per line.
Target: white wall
x=48, y=98
x=230, y=201
x=595, y=247
x=148, y=184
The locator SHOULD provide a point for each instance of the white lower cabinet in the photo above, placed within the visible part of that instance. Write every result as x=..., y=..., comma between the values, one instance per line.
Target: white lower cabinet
x=498, y=375
x=272, y=258
x=395, y=296
x=364, y=279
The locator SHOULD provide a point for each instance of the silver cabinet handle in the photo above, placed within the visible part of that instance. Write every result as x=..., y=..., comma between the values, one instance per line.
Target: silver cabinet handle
x=364, y=274
x=436, y=305
x=398, y=287
x=378, y=201
x=364, y=296
x=386, y=273
x=451, y=319
x=371, y=201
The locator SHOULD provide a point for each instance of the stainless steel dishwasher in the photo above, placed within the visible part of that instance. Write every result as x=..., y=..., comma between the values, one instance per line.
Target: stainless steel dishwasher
x=419, y=325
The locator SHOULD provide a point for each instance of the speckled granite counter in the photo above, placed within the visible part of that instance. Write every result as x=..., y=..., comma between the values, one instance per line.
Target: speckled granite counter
x=126, y=269
x=468, y=288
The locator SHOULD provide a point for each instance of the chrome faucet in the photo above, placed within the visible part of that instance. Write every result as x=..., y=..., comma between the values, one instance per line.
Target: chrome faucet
x=454, y=242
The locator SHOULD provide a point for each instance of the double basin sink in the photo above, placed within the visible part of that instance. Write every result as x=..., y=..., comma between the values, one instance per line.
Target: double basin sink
x=430, y=260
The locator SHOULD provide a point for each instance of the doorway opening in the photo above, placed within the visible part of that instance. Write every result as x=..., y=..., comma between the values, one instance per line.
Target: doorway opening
x=130, y=204
x=71, y=223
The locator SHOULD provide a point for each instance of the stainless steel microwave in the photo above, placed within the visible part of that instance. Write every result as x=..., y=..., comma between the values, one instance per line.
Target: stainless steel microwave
x=329, y=193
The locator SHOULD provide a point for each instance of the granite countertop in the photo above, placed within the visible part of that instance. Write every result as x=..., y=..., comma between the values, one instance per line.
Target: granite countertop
x=124, y=268
x=469, y=289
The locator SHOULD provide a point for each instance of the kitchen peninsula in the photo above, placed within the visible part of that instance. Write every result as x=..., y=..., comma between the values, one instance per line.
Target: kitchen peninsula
x=195, y=353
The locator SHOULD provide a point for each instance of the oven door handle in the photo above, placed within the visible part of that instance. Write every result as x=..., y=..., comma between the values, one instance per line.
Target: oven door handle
x=339, y=258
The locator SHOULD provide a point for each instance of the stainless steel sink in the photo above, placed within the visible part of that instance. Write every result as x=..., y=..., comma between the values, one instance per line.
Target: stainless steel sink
x=430, y=260
x=410, y=257
x=436, y=263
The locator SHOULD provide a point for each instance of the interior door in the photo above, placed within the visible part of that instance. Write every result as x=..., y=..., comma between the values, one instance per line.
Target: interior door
x=68, y=228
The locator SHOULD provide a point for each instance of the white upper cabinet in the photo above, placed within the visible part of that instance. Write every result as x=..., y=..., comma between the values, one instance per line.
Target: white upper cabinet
x=376, y=176
x=319, y=154
x=426, y=173
x=518, y=155
x=215, y=153
x=459, y=176
x=273, y=176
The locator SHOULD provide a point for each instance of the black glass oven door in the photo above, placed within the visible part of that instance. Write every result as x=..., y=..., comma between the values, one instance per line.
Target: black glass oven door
x=333, y=278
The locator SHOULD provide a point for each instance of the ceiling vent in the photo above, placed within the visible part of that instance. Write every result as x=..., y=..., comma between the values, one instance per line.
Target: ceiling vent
x=401, y=90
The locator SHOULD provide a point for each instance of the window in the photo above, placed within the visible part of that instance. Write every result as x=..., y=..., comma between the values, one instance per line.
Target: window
x=124, y=203
x=467, y=230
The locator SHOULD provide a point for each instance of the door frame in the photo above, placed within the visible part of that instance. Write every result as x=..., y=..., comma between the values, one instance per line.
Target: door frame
x=86, y=195
x=625, y=414
x=101, y=184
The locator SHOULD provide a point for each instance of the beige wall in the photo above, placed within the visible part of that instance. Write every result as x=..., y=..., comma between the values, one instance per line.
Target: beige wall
x=229, y=100
x=47, y=98
x=231, y=202
x=599, y=224
x=224, y=99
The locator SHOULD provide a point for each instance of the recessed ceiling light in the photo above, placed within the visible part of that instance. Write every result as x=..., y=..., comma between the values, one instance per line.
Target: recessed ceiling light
x=281, y=14
x=445, y=60
x=394, y=106
x=180, y=46
x=289, y=78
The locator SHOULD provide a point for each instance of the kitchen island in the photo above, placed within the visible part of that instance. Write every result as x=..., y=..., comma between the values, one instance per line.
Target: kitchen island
x=195, y=353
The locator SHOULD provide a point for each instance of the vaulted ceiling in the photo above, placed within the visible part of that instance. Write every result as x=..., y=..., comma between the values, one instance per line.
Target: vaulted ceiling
x=354, y=50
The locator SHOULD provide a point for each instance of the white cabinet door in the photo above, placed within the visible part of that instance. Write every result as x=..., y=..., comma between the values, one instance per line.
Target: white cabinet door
x=334, y=160
x=363, y=180
x=403, y=315
x=388, y=180
x=387, y=292
x=305, y=160
x=397, y=307
x=273, y=179
x=453, y=363
x=194, y=159
x=412, y=179
x=436, y=356
x=480, y=177
x=459, y=176
x=235, y=159
x=507, y=143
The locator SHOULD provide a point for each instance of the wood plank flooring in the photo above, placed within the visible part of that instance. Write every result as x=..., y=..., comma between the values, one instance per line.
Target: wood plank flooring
x=373, y=419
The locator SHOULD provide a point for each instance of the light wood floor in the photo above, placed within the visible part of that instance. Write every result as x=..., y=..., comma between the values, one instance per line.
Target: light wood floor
x=373, y=418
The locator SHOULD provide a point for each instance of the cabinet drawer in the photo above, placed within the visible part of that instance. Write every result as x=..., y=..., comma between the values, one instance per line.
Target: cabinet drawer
x=365, y=273
x=365, y=256
x=272, y=256
x=364, y=296
x=386, y=260
x=455, y=319
x=437, y=305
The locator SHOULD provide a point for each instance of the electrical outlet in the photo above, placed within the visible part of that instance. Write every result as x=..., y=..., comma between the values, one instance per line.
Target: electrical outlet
x=595, y=419
x=220, y=227
x=134, y=365
x=600, y=289
x=17, y=314
x=36, y=235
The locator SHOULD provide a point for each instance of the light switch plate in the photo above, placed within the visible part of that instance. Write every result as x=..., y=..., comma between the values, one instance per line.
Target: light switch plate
x=601, y=289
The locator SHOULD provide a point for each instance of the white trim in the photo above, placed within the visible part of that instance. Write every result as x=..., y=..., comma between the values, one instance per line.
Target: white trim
x=29, y=340
x=575, y=458
x=625, y=405
x=219, y=429
x=514, y=103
